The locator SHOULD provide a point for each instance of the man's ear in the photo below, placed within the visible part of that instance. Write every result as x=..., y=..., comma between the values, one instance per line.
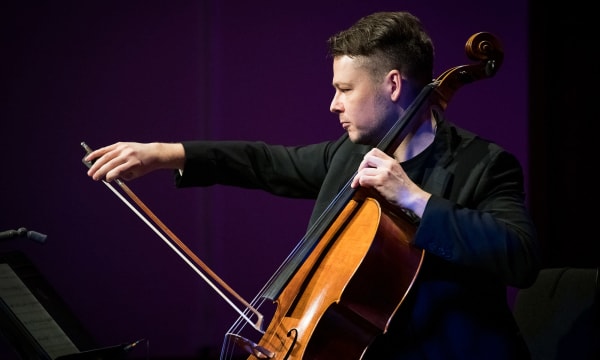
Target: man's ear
x=395, y=83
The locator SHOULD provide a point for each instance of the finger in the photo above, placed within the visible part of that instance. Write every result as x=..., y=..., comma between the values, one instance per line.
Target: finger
x=365, y=178
x=361, y=169
x=96, y=165
x=354, y=183
x=363, y=164
x=98, y=158
x=107, y=164
x=94, y=154
x=371, y=160
x=101, y=167
x=378, y=153
x=120, y=171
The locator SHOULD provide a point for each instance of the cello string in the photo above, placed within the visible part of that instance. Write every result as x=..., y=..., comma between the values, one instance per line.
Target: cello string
x=238, y=326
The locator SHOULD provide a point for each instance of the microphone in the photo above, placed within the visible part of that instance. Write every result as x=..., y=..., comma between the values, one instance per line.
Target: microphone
x=23, y=232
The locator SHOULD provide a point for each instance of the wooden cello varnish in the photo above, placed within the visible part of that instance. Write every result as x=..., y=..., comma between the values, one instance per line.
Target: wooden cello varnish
x=345, y=285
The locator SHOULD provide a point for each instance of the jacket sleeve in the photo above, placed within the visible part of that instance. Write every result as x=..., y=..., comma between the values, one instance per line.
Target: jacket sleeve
x=291, y=171
x=485, y=225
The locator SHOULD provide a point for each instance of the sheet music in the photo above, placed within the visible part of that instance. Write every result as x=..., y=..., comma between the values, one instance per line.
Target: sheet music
x=33, y=315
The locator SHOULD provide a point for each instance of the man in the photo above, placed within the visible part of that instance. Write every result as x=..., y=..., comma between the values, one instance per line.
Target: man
x=465, y=193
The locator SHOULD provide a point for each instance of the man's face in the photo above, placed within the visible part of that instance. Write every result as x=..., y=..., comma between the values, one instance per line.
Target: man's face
x=363, y=104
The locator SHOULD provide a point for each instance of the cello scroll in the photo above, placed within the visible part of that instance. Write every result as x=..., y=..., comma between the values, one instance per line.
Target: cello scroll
x=483, y=47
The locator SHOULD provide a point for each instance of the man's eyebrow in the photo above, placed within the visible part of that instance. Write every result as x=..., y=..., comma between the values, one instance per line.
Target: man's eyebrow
x=339, y=83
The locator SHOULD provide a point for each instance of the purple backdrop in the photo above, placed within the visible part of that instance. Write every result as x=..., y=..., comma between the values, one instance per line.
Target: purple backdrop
x=106, y=71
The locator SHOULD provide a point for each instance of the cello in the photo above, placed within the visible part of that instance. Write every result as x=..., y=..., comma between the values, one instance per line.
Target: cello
x=351, y=272
x=360, y=239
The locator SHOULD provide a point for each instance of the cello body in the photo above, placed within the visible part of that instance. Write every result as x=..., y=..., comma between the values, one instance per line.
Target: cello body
x=333, y=318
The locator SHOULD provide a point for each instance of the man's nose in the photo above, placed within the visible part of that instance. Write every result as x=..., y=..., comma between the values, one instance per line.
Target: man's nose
x=335, y=106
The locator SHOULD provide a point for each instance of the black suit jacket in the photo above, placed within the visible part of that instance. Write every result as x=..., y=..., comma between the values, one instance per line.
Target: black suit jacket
x=475, y=231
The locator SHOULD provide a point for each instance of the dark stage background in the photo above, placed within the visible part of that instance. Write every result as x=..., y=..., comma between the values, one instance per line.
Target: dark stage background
x=106, y=71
